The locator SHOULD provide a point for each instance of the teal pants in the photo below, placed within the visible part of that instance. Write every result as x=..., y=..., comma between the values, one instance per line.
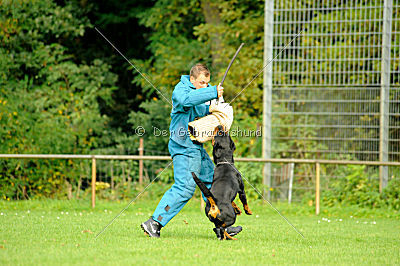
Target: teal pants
x=193, y=160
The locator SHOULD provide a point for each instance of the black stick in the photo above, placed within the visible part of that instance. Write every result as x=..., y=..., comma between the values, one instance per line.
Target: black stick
x=230, y=64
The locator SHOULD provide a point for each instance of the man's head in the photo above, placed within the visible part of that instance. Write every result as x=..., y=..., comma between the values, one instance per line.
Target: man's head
x=199, y=76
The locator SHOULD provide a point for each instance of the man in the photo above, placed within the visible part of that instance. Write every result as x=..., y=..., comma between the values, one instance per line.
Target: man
x=188, y=98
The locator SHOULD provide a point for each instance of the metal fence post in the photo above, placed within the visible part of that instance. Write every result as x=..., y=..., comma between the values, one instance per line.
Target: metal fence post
x=317, y=187
x=267, y=94
x=93, y=181
x=384, y=99
x=291, y=172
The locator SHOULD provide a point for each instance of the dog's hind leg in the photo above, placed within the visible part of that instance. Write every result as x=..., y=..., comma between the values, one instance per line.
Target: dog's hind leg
x=236, y=208
x=214, y=211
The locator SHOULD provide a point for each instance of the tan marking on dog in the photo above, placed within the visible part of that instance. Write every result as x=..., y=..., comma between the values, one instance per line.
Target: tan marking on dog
x=247, y=209
x=215, y=133
x=214, y=211
x=226, y=235
x=236, y=208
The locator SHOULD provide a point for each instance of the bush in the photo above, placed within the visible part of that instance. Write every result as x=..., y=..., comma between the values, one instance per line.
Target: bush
x=48, y=98
x=360, y=187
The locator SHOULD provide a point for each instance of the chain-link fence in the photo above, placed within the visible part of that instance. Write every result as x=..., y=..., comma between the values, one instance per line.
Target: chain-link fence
x=336, y=88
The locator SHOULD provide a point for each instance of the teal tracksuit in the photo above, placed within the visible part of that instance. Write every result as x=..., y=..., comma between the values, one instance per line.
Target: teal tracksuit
x=188, y=104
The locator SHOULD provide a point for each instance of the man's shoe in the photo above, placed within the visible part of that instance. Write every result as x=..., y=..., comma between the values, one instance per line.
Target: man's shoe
x=151, y=228
x=232, y=231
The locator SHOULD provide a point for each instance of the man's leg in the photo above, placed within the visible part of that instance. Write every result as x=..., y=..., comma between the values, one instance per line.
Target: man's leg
x=183, y=188
x=207, y=170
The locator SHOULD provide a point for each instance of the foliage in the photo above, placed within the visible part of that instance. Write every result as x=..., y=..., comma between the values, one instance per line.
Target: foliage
x=181, y=37
x=173, y=48
x=49, y=103
x=358, y=186
x=391, y=194
x=155, y=122
x=240, y=22
x=118, y=21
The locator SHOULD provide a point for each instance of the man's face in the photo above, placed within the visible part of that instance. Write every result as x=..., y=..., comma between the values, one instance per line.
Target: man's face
x=201, y=81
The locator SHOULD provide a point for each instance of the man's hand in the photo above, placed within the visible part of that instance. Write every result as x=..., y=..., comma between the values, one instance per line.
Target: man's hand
x=220, y=90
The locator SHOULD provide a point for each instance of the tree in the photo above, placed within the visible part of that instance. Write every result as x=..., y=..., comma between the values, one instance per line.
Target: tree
x=49, y=103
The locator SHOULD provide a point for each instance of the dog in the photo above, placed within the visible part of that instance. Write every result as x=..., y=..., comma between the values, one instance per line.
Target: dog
x=227, y=183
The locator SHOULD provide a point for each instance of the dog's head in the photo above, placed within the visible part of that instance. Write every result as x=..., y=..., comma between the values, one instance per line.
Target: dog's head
x=223, y=146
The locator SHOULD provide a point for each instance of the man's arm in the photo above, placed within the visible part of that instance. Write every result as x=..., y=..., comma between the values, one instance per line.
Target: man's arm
x=188, y=97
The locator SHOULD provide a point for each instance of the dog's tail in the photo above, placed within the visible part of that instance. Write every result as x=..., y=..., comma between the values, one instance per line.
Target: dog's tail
x=214, y=211
x=207, y=193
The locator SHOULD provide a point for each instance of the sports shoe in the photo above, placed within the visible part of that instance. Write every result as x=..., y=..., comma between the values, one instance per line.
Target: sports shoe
x=232, y=231
x=151, y=228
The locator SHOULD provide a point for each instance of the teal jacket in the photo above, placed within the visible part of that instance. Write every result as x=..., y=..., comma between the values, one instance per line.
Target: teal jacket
x=188, y=104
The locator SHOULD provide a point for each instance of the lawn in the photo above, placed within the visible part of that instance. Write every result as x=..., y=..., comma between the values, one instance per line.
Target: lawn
x=63, y=232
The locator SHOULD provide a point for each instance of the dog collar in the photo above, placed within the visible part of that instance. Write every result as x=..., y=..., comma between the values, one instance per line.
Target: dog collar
x=223, y=163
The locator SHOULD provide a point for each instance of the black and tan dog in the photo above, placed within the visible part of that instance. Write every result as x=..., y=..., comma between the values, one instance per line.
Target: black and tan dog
x=227, y=183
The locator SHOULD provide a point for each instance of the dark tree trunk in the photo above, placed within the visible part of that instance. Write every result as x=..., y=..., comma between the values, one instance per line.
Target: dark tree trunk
x=212, y=17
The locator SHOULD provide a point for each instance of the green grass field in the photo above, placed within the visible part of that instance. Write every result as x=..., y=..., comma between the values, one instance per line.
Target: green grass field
x=62, y=232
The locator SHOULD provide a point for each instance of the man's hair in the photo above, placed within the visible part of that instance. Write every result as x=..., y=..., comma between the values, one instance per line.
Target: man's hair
x=198, y=69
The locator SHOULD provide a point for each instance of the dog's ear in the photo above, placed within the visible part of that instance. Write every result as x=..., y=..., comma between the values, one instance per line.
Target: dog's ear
x=233, y=146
